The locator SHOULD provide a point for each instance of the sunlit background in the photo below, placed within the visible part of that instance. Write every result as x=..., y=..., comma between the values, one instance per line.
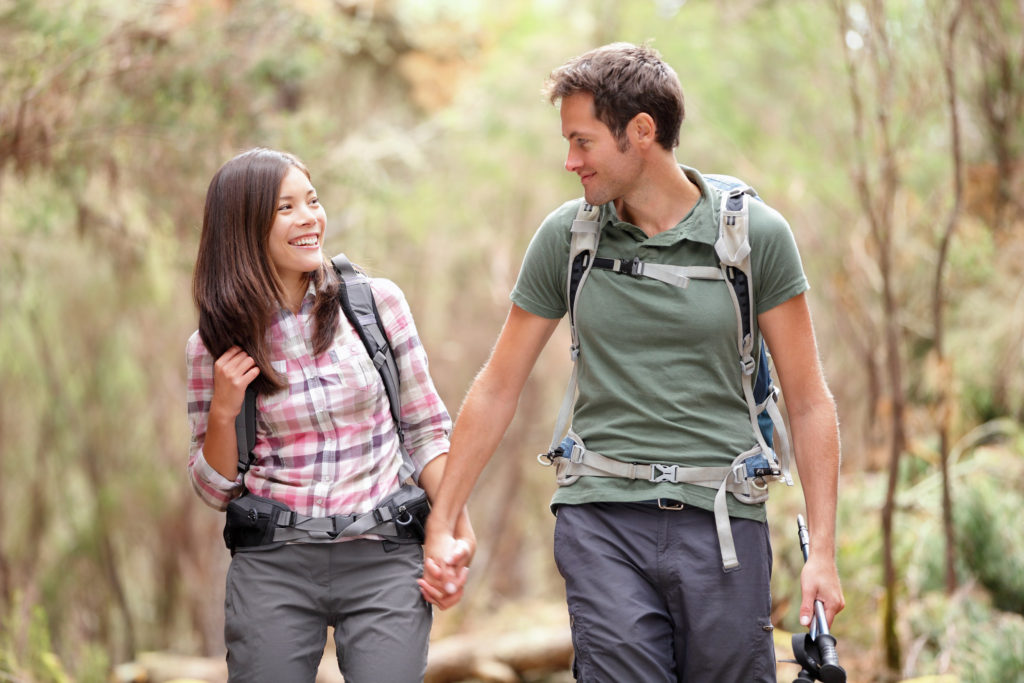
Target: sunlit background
x=890, y=134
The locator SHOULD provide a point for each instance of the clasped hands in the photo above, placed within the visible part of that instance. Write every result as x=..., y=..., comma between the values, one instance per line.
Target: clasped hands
x=445, y=566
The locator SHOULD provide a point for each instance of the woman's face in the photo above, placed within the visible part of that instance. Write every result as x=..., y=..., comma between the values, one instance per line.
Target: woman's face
x=296, y=237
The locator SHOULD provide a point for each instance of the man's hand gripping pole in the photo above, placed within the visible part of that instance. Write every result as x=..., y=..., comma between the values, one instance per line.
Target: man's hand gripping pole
x=816, y=651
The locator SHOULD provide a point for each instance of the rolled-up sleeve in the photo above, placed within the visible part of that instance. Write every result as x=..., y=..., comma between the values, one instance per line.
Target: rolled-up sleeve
x=213, y=488
x=424, y=419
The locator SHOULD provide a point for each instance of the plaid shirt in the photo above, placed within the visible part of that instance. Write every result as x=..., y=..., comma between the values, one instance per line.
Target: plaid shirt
x=327, y=444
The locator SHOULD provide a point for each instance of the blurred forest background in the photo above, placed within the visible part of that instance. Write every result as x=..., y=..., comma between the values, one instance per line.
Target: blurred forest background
x=889, y=133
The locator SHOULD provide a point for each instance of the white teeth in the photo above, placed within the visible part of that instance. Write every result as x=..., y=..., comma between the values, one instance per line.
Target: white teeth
x=306, y=242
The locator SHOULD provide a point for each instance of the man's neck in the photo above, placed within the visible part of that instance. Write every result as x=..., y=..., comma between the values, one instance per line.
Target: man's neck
x=661, y=200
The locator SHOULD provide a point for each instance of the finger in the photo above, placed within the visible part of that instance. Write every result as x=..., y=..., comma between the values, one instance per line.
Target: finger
x=806, y=612
x=433, y=571
x=456, y=580
x=449, y=601
x=459, y=553
x=429, y=592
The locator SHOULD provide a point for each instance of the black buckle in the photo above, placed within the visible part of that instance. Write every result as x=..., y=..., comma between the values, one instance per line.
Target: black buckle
x=548, y=459
x=636, y=267
x=766, y=472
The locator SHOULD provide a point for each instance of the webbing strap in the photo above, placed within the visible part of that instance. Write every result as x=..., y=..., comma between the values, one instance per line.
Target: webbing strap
x=293, y=526
x=677, y=276
x=581, y=461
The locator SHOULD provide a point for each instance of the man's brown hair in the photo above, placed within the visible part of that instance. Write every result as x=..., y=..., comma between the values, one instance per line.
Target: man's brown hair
x=625, y=80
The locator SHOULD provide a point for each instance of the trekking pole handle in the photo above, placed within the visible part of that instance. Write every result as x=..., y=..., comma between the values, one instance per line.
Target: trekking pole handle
x=827, y=647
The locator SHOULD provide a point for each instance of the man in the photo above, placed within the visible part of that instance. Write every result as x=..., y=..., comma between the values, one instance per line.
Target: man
x=659, y=382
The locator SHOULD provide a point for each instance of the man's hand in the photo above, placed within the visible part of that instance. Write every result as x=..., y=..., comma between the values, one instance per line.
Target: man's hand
x=819, y=580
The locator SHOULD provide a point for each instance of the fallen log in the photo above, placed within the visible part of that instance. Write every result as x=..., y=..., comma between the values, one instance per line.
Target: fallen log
x=501, y=658
x=486, y=657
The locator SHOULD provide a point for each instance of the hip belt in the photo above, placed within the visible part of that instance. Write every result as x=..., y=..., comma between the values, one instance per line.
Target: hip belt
x=256, y=522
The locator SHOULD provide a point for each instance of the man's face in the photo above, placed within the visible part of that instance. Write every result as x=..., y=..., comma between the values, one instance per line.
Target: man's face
x=606, y=172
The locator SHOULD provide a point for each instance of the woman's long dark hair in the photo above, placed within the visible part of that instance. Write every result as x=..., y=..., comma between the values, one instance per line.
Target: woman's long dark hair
x=235, y=285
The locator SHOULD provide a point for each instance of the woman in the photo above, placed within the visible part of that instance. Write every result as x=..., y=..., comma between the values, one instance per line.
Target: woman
x=326, y=444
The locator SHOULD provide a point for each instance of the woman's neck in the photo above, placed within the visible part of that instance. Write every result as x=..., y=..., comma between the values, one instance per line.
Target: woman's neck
x=294, y=292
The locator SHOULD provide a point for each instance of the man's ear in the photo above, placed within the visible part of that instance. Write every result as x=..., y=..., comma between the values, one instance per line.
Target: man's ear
x=642, y=129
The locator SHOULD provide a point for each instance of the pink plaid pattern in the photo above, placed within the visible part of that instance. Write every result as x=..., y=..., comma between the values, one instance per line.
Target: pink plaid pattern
x=327, y=444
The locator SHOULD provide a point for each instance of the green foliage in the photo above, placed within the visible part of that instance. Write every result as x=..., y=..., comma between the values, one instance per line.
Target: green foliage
x=26, y=652
x=994, y=650
x=991, y=544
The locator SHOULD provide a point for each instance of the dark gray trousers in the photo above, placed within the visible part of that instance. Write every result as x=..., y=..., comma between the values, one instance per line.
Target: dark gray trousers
x=280, y=602
x=650, y=602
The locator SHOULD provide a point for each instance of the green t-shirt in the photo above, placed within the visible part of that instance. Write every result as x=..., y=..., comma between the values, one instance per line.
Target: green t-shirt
x=659, y=377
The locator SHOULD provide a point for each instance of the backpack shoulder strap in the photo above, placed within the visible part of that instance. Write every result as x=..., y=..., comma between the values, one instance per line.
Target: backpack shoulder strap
x=245, y=430
x=733, y=250
x=360, y=308
x=584, y=236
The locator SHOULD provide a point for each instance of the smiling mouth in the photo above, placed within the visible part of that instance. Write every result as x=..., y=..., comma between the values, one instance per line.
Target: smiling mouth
x=307, y=241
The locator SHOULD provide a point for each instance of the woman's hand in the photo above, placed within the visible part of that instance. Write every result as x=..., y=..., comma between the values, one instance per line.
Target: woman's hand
x=232, y=374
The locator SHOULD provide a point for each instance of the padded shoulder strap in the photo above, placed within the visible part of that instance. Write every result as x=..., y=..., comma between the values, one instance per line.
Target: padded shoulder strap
x=245, y=430
x=585, y=234
x=361, y=310
x=586, y=231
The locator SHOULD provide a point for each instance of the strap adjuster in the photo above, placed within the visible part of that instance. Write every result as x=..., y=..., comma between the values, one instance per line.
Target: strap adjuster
x=663, y=473
x=382, y=515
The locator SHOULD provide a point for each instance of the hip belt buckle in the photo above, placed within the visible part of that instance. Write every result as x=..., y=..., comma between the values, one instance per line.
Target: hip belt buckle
x=663, y=473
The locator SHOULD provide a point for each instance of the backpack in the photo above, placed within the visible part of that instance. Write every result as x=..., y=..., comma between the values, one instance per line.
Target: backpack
x=256, y=522
x=747, y=477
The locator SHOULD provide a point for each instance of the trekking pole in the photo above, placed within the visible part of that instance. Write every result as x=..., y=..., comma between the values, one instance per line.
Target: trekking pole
x=816, y=651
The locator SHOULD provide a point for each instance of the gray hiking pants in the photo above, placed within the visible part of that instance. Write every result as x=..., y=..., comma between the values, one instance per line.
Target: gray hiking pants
x=279, y=603
x=650, y=602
